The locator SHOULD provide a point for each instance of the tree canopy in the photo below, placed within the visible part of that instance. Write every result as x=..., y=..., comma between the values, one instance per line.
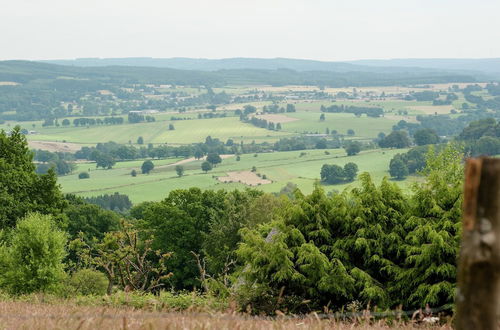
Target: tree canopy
x=21, y=189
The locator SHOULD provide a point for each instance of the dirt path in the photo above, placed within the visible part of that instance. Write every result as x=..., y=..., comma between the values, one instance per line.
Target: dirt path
x=55, y=146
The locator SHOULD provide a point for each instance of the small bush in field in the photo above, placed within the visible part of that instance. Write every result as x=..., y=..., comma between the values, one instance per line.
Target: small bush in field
x=89, y=282
x=83, y=175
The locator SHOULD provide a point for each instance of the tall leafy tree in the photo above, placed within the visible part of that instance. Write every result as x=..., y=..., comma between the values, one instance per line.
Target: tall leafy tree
x=432, y=243
x=397, y=168
x=21, y=189
x=178, y=225
x=425, y=136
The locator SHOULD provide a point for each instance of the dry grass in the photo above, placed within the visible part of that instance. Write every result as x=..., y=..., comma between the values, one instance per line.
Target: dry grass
x=246, y=177
x=55, y=146
x=431, y=109
x=24, y=315
x=277, y=118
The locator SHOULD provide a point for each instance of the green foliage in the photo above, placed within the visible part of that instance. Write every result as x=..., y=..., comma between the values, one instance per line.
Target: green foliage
x=177, y=225
x=432, y=244
x=324, y=250
x=89, y=282
x=31, y=260
x=105, y=161
x=179, y=169
x=332, y=174
x=125, y=258
x=335, y=174
x=90, y=220
x=425, y=136
x=206, y=166
x=214, y=158
x=350, y=171
x=21, y=189
x=352, y=148
x=398, y=169
x=162, y=301
x=397, y=139
x=147, y=167
x=83, y=175
x=244, y=209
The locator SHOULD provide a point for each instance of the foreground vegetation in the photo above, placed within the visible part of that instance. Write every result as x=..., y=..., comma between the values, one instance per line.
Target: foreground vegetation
x=56, y=315
x=293, y=253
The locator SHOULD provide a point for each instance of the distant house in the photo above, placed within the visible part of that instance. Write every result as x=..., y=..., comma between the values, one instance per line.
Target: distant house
x=317, y=135
x=144, y=112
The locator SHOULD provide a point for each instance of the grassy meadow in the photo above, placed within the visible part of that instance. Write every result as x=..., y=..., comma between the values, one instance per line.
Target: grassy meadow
x=280, y=167
x=186, y=131
x=364, y=127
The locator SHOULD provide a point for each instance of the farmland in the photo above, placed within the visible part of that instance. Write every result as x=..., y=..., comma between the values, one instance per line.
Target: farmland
x=186, y=131
x=217, y=203
x=279, y=167
x=196, y=120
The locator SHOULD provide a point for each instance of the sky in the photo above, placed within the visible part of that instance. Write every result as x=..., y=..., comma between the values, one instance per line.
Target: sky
x=329, y=30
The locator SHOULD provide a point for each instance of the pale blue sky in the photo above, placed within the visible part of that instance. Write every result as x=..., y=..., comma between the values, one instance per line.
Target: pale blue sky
x=314, y=29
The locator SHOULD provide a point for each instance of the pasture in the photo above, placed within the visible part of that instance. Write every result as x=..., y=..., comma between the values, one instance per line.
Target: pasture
x=279, y=167
x=364, y=127
x=185, y=132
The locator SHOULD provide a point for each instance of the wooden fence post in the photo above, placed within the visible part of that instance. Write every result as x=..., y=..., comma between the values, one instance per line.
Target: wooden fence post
x=479, y=266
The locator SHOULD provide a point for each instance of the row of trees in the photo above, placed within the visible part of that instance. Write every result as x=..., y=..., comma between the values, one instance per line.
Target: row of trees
x=94, y=121
x=358, y=111
x=335, y=174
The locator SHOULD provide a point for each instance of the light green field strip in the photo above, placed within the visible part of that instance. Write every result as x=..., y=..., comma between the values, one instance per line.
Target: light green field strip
x=186, y=132
x=281, y=167
x=365, y=127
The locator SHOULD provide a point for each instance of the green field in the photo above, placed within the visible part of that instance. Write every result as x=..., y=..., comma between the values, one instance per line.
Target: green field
x=186, y=131
x=280, y=167
x=364, y=127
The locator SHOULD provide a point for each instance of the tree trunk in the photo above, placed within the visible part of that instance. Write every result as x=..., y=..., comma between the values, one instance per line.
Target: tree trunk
x=109, y=291
x=479, y=271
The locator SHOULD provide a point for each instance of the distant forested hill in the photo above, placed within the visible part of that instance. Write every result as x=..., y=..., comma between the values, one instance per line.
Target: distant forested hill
x=489, y=66
x=24, y=71
x=421, y=66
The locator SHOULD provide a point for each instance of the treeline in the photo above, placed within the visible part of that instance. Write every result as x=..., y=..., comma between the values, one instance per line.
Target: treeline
x=372, y=244
x=306, y=142
x=482, y=137
x=275, y=108
x=110, y=152
x=479, y=138
x=134, y=117
x=42, y=94
x=358, y=111
x=61, y=162
x=94, y=121
x=263, y=123
x=115, y=202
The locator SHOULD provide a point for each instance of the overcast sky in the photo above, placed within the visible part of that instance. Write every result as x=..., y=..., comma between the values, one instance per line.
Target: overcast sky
x=313, y=29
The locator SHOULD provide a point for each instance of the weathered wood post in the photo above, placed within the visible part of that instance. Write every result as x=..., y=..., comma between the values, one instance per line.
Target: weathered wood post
x=479, y=266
